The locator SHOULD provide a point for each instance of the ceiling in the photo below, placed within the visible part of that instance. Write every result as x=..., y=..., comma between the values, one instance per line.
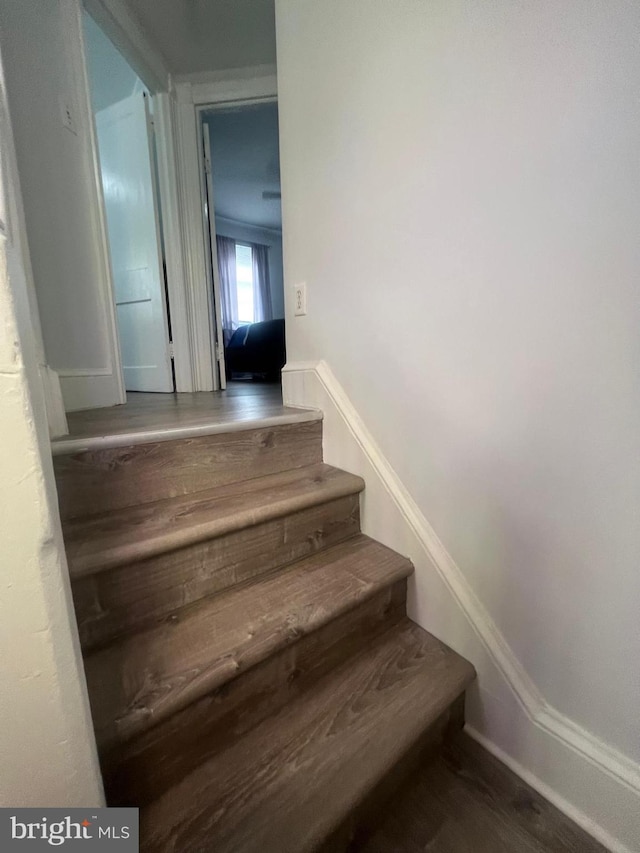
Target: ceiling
x=245, y=155
x=209, y=35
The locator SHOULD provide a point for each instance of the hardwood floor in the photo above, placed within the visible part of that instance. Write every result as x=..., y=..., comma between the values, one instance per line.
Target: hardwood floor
x=255, y=683
x=466, y=801
x=148, y=416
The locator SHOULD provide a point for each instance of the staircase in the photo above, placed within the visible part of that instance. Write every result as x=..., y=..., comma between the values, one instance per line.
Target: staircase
x=255, y=682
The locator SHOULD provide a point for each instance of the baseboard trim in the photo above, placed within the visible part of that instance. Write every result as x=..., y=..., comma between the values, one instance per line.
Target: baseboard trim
x=309, y=384
x=90, y=390
x=567, y=808
x=54, y=403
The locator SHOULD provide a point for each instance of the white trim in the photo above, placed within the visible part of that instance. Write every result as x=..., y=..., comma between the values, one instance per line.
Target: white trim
x=53, y=402
x=164, y=118
x=88, y=391
x=248, y=72
x=188, y=155
x=64, y=373
x=227, y=220
x=581, y=770
x=249, y=85
x=237, y=84
x=213, y=274
x=549, y=794
x=117, y=22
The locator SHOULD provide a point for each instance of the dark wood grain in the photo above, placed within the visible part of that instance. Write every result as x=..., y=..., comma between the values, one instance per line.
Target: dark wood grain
x=98, y=481
x=468, y=802
x=364, y=818
x=140, y=680
x=142, y=769
x=290, y=782
x=254, y=681
x=114, y=603
x=123, y=536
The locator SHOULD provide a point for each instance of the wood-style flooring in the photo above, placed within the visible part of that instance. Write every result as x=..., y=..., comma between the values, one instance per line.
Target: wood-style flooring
x=145, y=417
x=466, y=801
x=148, y=411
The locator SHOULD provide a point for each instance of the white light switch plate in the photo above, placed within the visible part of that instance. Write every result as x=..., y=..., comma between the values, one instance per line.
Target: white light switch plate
x=300, y=299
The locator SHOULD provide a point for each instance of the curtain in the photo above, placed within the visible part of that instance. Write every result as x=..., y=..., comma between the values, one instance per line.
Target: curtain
x=227, y=268
x=262, y=309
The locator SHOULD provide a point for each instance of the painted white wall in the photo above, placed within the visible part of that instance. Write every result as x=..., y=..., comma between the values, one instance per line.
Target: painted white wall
x=47, y=748
x=267, y=237
x=111, y=77
x=461, y=193
x=42, y=49
x=594, y=784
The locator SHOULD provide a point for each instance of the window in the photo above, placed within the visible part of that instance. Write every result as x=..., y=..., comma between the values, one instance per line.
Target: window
x=244, y=283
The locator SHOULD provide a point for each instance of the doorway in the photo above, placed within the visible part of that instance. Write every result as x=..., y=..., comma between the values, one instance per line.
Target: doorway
x=122, y=109
x=243, y=222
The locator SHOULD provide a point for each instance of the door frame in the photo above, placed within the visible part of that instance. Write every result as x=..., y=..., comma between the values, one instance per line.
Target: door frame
x=113, y=17
x=213, y=274
x=176, y=120
x=193, y=95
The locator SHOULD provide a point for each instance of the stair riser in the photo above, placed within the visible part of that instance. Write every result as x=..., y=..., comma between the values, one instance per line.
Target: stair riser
x=140, y=770
x=101, y=480
x=147, y=677
x=111, y=603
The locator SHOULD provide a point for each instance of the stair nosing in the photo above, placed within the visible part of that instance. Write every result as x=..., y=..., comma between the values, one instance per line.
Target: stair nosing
x=66, y=446
x=97, y=561
x=130, y=726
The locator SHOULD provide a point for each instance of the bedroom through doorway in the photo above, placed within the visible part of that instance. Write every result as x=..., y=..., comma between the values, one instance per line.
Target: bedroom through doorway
x=241, y=188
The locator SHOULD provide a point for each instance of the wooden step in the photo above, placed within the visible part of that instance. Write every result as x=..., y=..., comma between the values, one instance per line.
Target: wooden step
x=136, y=533
x=98, y=481
x=146, y=677
x=133, y=566
x=297, y=778
x=142, y=769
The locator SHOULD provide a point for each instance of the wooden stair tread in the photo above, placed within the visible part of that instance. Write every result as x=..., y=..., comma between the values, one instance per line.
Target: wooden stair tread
x=144, y=678
x=169, y=426
x=287, y=785
x=95, y=481
x=127, y=535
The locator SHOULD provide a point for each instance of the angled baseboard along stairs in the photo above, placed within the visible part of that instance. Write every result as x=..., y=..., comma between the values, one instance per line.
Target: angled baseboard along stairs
x=588, y=780
x=255, y=682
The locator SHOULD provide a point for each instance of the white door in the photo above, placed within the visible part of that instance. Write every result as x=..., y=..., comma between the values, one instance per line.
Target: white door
x=134, y=241
x=220, y=380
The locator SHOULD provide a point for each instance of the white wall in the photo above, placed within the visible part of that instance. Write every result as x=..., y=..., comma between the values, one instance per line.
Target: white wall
x=461, y=193
x=110, y=75
x=44, y=70
x=47, y=748
x=267, y=237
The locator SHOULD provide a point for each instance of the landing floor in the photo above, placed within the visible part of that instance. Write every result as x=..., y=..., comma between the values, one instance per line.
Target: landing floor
x=148, y=417
x=467, y=802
